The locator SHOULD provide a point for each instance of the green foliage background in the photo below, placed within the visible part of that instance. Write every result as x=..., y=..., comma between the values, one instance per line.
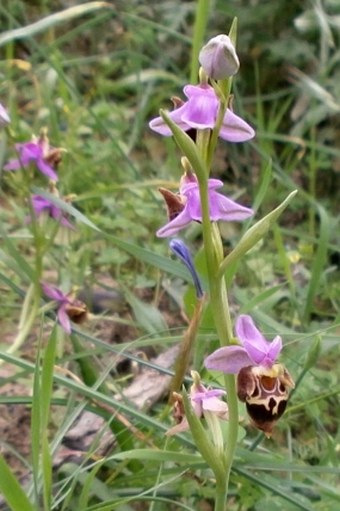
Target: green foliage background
x=95, y=81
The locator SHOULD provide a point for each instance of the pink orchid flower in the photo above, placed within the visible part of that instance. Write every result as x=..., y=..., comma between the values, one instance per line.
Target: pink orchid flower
x=42, y=205
x=200, y=112
x=69, y=308
x=39, y=152
x=221, y=208
x=202, y=400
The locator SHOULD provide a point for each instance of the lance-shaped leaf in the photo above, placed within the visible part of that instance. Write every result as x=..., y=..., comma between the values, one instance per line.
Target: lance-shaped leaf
x=51, y=21
x=66, y=207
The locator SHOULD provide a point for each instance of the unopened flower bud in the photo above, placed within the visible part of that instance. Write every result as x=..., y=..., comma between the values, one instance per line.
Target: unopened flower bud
x=181, y=250
x=218, y=58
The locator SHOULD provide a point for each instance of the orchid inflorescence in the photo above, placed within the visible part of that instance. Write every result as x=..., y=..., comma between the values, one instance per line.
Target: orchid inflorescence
x=262, y=383
x=39, y=154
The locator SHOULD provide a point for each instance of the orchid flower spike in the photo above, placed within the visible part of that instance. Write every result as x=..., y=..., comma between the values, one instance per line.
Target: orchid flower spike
x=200, y=112
x=181, y=250
x=186, y=207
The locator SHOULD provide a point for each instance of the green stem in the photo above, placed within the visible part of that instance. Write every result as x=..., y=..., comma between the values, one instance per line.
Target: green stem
x=220, y=309
x=203, y=144
x=312, y=184
x=223, y=91
x=230, y=385
x=32, y=299
x=29, y=313
x=221, y=495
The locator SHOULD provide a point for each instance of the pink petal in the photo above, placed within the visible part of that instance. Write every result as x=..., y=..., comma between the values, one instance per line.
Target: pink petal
x=64, y=320
x=197, y=407
x=229, y=359
x=178, y=223
x=39, y=203
x=56, y=212
x=29, y=151
x=274, y=351
x=216, y=406
x=257, y=347
x=46, y=169
x=218, y=58
x=213, y=184
x=178, y=428
x=235, y=129
x=247, y=331
x=159, y=125
x=12, y=165
x=222, y=208
x=193, y=203
x=53, y=292
x=200, y=112
x=207, y=394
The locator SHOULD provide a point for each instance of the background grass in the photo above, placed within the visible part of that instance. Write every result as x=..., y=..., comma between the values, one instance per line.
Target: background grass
x=95, y=80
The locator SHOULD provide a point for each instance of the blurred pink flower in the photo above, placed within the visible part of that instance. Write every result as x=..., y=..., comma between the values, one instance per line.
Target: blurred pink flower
x=42, y=205
x=69, y=308
x=39, y=152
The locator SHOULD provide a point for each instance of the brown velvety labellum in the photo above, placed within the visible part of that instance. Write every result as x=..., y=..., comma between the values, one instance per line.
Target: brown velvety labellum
x=265, y=419
x=265, y=392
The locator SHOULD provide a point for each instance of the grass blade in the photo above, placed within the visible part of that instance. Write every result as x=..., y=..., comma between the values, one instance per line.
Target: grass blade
x=11, y=489
x=51, y=21
x=318, y=261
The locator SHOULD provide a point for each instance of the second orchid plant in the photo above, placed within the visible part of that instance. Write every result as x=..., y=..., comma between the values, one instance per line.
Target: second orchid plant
x=248, y=361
